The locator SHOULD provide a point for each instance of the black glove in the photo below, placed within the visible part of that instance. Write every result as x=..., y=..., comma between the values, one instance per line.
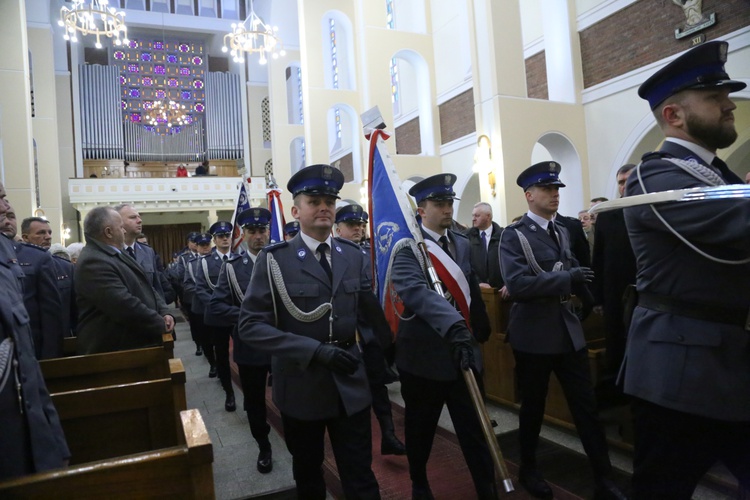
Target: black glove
x=580, y=275
x=462, y=349
x=336, y=359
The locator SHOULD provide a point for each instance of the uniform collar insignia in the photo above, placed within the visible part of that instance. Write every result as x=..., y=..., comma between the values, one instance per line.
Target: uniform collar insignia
x=338, y=249
x=244, y=261
x=301, y=253
x=532, y=227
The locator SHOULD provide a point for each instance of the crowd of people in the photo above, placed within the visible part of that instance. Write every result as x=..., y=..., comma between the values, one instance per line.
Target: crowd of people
x=669, y=280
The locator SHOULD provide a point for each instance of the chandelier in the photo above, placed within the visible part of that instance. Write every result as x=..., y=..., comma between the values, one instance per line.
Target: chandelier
x=261, y=38
x=165, y=114
x=94, y=18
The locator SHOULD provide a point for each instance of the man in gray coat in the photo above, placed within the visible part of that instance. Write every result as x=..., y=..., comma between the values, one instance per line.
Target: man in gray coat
x=118, y=307
x=303, y=307
x=687, y=362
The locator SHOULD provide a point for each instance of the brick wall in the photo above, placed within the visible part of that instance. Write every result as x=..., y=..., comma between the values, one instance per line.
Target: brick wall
x=643, y=33
x=408, y=141
x=536, y=76
x=457, y=117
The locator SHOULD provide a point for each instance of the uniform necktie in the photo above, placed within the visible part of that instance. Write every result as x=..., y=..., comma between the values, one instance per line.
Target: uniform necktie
x=444, y=245
x=322, y=249
x=130, y=251
x=553, y=234
x=484, y=246
x=225, y=258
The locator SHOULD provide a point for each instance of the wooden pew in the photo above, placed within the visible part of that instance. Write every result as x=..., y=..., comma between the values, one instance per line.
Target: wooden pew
x=106, y=422
x=183, y=471
x=70, y=345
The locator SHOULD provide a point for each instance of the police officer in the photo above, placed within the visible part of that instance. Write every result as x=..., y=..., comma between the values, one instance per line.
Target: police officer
x=436, y=344
x=40, y=296
x=304, y=307
x=351, y=221
x=224, y=306
x=177, y=277
x=540, y=273
x=291, y=229
x=199, y=330
x=36, y=231
x=207, y=273
x=687, y=361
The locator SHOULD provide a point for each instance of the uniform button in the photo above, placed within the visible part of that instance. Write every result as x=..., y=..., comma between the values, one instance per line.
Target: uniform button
x=680, y=338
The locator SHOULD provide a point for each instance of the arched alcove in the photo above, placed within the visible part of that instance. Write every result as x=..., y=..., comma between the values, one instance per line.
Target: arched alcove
x=343, y=146
x=555, y=146
x=338, y=50
x=416, y=104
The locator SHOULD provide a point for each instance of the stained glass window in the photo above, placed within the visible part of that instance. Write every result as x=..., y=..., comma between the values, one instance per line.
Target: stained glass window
x=166, y=70
x=390, y=23
x=299, y=100
x=335, y=71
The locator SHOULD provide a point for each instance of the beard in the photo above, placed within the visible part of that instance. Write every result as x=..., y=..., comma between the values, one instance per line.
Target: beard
x=714, y=135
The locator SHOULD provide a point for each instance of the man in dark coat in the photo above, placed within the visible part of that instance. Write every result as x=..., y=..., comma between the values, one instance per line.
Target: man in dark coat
x=687, y=362
x=541, y=272
x=40, y=295
x=614, y=270
x=119, y=309
x=37, y=231
x=31, y=437
x=484, y=237
x=435, y=344
x=224, y=308
x=306, y=313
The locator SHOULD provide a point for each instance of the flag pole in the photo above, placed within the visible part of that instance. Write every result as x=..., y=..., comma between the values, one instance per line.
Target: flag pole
x=373, y=125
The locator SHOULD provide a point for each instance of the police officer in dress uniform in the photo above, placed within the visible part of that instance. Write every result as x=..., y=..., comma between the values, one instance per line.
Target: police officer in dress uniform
x=351, y=221
x=541, y=272
x=207, y=273
x=224, y=306
x=687, y=361
x=37, y=231
x=198, y=327
x=305, y=303
x=291, y=229
x=177, y=277
x=436, y=343
x=40, y=296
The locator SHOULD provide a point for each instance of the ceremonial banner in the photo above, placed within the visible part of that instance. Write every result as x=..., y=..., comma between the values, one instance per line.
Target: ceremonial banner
x=242, y=204
x=277, y=215
x=391, y=221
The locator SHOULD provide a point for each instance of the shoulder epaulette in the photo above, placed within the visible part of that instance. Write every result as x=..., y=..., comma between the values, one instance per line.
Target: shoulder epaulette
x=513, y=225
x=655, y=155
x=31, y=245
x=236, y=257
x=462, y=235
x=348, y=242
x=275, y=246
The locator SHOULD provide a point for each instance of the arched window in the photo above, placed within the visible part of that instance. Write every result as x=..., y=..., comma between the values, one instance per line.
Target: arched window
x=297, y=154
x=395, y=94
x=265, y=112
x=268, y=169
x=295, y=110
x=338, y=51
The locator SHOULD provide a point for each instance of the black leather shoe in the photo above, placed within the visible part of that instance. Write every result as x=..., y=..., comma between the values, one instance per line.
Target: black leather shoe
x=533, y=482
x=608, y=490
x=229, y=404
x=265, y=462
x=421, y=492
x=390, y=444
x=212, y=373
x=390, y=374
x=199, y=351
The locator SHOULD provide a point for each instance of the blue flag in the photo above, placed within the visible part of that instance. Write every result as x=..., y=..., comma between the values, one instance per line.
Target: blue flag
x=392, y=220
x=242, y=204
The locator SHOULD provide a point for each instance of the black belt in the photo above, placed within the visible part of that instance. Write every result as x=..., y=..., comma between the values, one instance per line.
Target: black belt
x=716, y=313
x=344, y=344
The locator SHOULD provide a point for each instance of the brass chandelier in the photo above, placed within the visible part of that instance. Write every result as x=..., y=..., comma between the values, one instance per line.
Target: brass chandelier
x=260, y=38
x=93, y=18
x=165, y=114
